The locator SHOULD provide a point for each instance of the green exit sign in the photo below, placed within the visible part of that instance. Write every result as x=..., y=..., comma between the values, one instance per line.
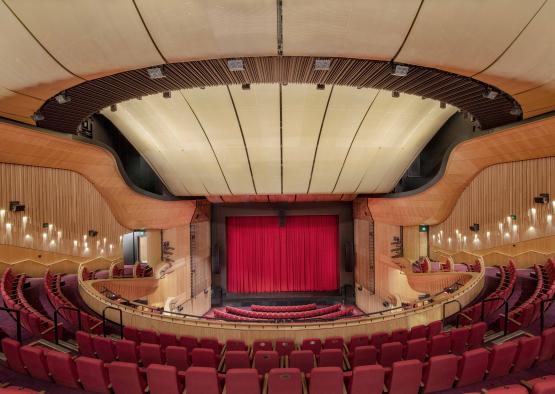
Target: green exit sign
x=423, y=228
x=513, y=217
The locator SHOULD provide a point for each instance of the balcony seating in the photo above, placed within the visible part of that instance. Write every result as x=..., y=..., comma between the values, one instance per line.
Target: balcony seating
x=128, y=351
x=527, y=351
x=331, y=358
x=303, y=360
x=326, y=380
x=416, y=349
x=367, y=379
x=237, y=359
x=439, y=373
x=277, y=313
x=265, y=360
x=240, y=381
x=364, y=355
x=104, y=348
x=35, y=361
x=501, y=359
x=204, y=358
x=151, y=354
x=404, y=377
x=178, y=357
x=285, y=308
x=126, y=378
x=312, y=344
x=62, y=369
x=391, y=352
x=472, y=367
x=163, y=379
x=93, y=375
x=201, y=380
x=284, y=381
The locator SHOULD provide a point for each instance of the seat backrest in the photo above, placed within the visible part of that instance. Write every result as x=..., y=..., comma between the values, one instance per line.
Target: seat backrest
x=166, y=339
x=202, y=357
x=439, y=344
x=127, y=351
x=302, y=360
x=548, y=345
x=85, y=343
x=331, y=358
x=416, y=349
x=131, y=333
x=364, y=355
x=439, y=373
x=472, y=366
x=237, y=359
x=62, y=368
x=265, y=360
x=526, y=353
x=501, y=359
x=476, y=335
x=419, y=331
x=189, y=342
x=261, y=344
x=125, y=378
x=210, y=343
x=178, y=357
x=508, y=389
x=378, y=339
x=104, y=348
x=459, y=337
x=284, y=381
x=92, y=374
x=334, y=343
x=367, y=379
x=391, y=352
x=235, y=344
x=544, y=387
x=150, y=354
x=148, y=336
x=399, y=335
x=11, y=347
x=405, y=377
x=358, y=340
x=434, y=328
x=242, y=381
x=314, y=344
x=326, y=380
x=201, y=380
x=162, y=379
x=35, y=361
x=284, y=347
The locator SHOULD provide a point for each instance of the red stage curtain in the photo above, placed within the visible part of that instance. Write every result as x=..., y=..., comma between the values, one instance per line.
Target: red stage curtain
x=264, y=257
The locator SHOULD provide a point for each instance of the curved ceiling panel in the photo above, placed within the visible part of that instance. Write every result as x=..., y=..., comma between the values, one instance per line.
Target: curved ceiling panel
x=273, y=139
x=88, y=40
x=193, y=29
x=465, y=37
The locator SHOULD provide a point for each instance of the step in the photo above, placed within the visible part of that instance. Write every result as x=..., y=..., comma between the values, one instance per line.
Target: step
x=61, y=346
x=508, y=337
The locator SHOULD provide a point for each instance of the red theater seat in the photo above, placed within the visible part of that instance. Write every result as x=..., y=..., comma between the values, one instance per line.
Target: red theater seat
x=242, y=381
x=167, y=339
x=511, y=389
x=125, y=378
x=439, y=373
x=265, y=360
x=62, y=368
x=303, y=360
x=434, y=328
x=189, y=342
x=11, y=349
x=417, y=332
x=148, y=336
x=472, y=367
x=358, y=340
x=261, y=344
x=235, y=344
x=150, y=354
x=162, y=379
x=201, y=380
x=459, y=338
x=314, y=344
x=331, y=358
x=439, y=345
x=367, y=379
x=334, y=343
x=204, y=358
x=104, y=348
x=211, y=343
x=378, y=339
x=548, y=345
x=127, y=351
x=404, y=377
x=363, y=355
x=131, y=333
x=284, y=347
x=85, y=343
x=93, y=375
x=416, y=349
x=35, y=361
x=391, y=352
x=399, y=335
x=501, y=359
x=284, y=381
x=178, y=357
x=326, y=380
x=237, y=359
x=527, y=351
x=476, y=335
x=542, y=385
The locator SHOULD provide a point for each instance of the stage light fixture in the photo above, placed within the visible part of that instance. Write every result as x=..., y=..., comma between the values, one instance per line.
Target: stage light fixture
x=490, y=94
x=475, y=227
x=543, y=198
x=320, y=86
x=156, y=72
x=399, y=70
x=322, y=64
x=167, y=94
x=37, y=116
x=63, y=98
x=515, y=111
x=113, y=107
x=246, y=86
x=235, y=65
x=395, y=94
x=442, y=105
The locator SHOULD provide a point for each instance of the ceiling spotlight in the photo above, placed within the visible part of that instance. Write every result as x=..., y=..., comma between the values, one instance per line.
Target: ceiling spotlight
x=442, y=105
x=320, y=86
x=490, y=94
x=167, y=94
x=322, y=64
x=113, y=107
x=395, y=94
x=515, y=111
x=246, y=86
x=62, y=98
x=139, y=97
x=37, y=116
x=399, y=70
x=235, y=65
x=156, y=72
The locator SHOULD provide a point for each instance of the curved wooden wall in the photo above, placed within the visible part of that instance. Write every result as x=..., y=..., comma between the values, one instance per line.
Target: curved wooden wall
x=28, y=146
x=34, y=268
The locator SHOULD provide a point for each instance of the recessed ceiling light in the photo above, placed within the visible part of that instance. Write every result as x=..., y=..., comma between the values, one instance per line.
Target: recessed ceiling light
x=442, y=105
x=322, y=64
x=399, y=70
x=395, y=94
x=235, y=65
x=113, y=107
x=246, y=86
x=167, y=94
x=62, y=98
x=156, y=72
x=320, y=86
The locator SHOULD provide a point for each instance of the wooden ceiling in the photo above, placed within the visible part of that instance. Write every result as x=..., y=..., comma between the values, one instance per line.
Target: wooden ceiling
x=49, y=46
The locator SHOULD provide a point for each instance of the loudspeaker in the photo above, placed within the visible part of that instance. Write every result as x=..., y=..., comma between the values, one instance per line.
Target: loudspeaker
x=348, y=253
x=281, y=218
x=216, y=259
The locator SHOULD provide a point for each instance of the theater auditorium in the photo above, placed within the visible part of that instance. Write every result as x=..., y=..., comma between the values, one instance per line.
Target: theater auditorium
x=277, y=196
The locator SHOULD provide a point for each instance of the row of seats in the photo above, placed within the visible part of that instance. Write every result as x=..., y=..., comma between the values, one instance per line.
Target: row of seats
x=53, y=288
x=284, y=315
x=541, y=385
x=348, y=311
x=11, y=287
x=283, y=308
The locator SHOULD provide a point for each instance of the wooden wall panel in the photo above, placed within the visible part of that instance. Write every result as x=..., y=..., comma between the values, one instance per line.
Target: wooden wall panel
x=415, y=243
x=496, y=193
x=67, y=202
x=201, y=263
x=364, y=247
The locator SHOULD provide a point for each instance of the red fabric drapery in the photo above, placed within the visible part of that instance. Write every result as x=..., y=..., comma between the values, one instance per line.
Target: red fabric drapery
x=263, y=257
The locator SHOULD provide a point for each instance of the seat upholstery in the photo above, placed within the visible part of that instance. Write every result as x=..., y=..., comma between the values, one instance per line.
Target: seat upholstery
x=162, y=379
x=326, y=380
x=331, y=358
x=237, y=359
x=204, y=358
x=242, y=381
x=405, y=377
x=235, y=344
x=391, y=352
x=261, y=344
x=201, y=380
x=363, y=355
x=314, y=344
x=527, y=351
x=284, y=347
x=127, y=351
x=125, y=378
x=104, y=348
x=439, y=344
x=472, y=367
x=548, y=345
x=211, y=343
x=358, y=340
x=420, y=331
x=434, y=328
x=62, y=368
x=399, y=335
x=167, y=339
x=367, y=379
x=265, y=360
x=476, y=335
x=148, y=336
x=439, y=373
x=284, y=381
x=131, y=333
x=416, y=349
x=302, y=359
x=11, y=348
x=334, y=343
x=150, y=354
x=93, y=374
x=459, y=338
x=501, y=359
x=35, y=361
x=378, y=339
x=85, y=343
x=178, y=357
x=189, y=342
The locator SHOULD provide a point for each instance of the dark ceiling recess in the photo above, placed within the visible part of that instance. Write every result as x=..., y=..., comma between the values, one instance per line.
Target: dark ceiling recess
x=464, y=93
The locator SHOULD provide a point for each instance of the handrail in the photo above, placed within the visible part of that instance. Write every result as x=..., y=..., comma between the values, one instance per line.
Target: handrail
x=57, y=312
x=17, y=320
x=120, y=320
x=447, y=303
x=506, y=306
x=542, y=312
